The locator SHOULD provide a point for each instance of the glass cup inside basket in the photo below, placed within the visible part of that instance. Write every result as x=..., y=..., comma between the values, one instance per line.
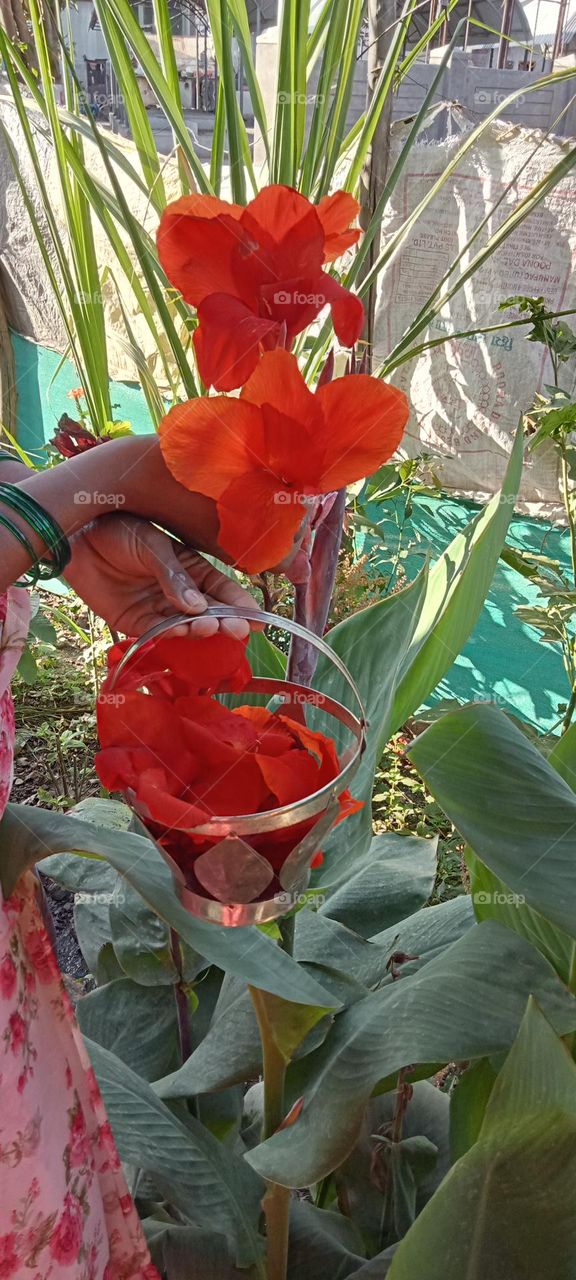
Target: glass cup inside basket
x=232, y=883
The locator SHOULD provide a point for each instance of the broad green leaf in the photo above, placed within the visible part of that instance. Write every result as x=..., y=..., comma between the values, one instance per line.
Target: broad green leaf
x=136, y=1023
x=27, y=834
x=493, y=900
x=402, y=948
x=468, y=1102
x=377, y=1268
x=187, y=1253
x=229, y=1052
x=141, y=941
x=323, y=1245
x=319, y=940
x=428, y=933
x=369, y=1168
x=373, y=645
x=468, y=1003
x=395, y=880
x=286, y=1024
x=458, y=584
x=562, y=757
x=508, y=1207
x=513, y=809
x=92, y=924
x=103, y=813
x=208, y=1183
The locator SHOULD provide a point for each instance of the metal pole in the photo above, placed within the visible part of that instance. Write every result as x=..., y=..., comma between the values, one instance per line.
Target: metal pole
x=505, y=30
x=467, y=27
x=559, y=37
x=431, y=21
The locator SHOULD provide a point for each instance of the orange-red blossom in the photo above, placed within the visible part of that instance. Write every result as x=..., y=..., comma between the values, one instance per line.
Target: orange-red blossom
x=265, y=456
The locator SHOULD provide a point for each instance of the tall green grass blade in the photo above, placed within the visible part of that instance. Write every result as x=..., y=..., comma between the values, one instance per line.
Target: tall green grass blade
x=291, y=86
x=85, y=300
x=336, y=26
x=149, y=265
x=172, y=108
x=234, y=123
x=241, y=26
x=170, y=70
x=154, y=401
x=336, y=125
x=318, y=33
x=139, y=123
x=219, y=135
x=383, y=89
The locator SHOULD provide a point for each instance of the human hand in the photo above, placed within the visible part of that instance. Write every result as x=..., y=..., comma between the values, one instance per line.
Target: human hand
x=133, y=575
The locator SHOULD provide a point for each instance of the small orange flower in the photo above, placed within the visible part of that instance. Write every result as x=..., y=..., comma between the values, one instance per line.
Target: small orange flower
x=77, y=394
x=265, y=456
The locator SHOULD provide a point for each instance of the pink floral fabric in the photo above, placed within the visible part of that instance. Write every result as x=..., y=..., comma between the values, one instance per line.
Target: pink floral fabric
x=65, y=1209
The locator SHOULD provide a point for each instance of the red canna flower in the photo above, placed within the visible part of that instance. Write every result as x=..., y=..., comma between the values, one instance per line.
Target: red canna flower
x=255, y=275
x=181, y=757
x=72, y=438
x=264, y=457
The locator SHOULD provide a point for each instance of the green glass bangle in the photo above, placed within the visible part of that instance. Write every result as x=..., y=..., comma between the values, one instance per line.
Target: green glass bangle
x=41, y=571
x=46, y=528
x=20, y=537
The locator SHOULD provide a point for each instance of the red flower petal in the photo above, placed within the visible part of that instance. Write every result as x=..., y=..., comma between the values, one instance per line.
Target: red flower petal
x=196, y=238
x=256, y=530
x=166, y=810
x=336, y=212
x=277, y=381
x=290, y=777
x=222, y=724
x=208, y=442
x=347, y=311
x=228, y=340
x=283, y=221
x=365, y=420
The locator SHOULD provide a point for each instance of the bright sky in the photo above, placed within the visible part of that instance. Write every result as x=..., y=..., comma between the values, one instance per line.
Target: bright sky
x=543, y=14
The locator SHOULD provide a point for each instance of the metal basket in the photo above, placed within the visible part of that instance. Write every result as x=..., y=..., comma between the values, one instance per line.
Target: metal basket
x=234, y=875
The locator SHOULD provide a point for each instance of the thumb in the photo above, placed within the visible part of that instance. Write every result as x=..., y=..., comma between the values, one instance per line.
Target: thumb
x=176, y=584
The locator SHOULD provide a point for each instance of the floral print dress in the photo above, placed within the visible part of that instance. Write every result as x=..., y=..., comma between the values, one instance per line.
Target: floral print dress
x=65, y=1209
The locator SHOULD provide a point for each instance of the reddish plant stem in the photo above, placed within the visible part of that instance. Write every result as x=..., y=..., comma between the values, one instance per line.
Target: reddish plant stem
x=312, y=600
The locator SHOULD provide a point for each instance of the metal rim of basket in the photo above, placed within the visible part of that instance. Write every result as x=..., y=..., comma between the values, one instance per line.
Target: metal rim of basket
x=309, y=806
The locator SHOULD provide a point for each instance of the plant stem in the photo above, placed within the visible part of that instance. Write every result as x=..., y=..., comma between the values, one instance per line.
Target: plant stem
x=181, y=999
x=312, y=600
x=276, y=1202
